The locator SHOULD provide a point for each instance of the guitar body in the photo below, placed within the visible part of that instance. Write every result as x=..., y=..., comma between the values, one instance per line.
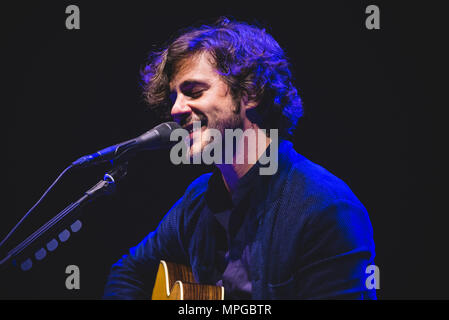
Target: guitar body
x=176, y=282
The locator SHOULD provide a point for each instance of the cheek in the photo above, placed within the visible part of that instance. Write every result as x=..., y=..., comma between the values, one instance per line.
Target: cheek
x=222, y=113
x=219, y=106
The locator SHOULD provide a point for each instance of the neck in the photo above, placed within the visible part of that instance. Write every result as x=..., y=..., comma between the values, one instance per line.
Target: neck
x=249, y=152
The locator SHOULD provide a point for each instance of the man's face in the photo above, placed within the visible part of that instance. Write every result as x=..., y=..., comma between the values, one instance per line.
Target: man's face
x=199, y=94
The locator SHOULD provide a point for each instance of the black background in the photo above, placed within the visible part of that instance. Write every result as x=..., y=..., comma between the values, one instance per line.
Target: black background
x=71, y=92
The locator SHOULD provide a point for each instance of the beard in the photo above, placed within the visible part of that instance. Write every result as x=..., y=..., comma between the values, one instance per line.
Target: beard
x=201, y=137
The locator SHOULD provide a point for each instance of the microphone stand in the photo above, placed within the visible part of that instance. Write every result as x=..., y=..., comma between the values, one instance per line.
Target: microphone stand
x=103, y=187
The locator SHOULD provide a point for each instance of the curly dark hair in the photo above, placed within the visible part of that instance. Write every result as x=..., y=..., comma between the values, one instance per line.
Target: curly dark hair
x=246, y=57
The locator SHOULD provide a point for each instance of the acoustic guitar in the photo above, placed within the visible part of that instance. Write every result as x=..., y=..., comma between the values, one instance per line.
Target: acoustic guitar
x=176, y=282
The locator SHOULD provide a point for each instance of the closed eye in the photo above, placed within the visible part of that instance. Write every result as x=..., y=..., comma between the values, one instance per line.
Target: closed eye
x=195, y=94
x=190, y=88
x=193, y=89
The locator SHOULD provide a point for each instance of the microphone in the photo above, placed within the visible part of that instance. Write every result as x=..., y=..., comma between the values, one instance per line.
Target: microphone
x=156, y=138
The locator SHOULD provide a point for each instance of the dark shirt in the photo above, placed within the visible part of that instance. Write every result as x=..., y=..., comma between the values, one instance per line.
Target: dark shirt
x=233, y=217
x=298, y=234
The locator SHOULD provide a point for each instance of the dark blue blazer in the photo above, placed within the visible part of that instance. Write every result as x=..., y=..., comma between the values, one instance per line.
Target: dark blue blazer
x=312, y=238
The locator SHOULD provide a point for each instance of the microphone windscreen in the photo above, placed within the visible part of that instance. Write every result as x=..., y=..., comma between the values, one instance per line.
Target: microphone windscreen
x=165, y=129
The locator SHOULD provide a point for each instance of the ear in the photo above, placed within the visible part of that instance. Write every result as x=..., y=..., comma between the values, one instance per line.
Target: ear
x=249, y=110
x=246, y=104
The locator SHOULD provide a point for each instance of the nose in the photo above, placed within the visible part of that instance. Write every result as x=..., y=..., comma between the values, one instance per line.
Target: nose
x=180, y=108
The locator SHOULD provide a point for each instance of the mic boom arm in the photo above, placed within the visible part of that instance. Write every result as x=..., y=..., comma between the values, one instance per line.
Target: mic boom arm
x=103, y=187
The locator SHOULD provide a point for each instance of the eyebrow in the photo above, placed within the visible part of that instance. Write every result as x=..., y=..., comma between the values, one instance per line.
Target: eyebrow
x=191, y=83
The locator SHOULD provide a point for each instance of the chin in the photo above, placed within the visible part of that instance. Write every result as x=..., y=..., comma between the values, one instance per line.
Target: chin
x=197, y=147
x=195, y=150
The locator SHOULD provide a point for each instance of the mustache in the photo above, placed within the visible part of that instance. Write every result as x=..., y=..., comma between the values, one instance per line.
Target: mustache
x=189, y=119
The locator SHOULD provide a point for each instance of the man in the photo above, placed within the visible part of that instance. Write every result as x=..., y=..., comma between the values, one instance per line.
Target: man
x=298, y=233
